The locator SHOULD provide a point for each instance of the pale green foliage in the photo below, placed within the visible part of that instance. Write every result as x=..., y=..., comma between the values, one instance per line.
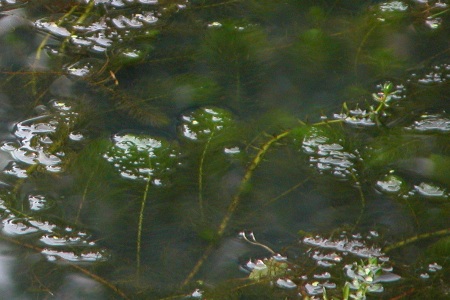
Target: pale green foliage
x=269, y=269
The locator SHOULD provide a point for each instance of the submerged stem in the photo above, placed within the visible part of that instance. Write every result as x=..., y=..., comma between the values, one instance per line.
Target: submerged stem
x=85, y=15
x=439, y=13
x=200, y=176
x=198, y=265
x=140, y=222
x=257, y=159
x=247, y=176
x=48, y=35
x=236, y=200
x=218, y=4
x=362, y=198
x=290, y=190
x=83, y=197
x=416, y=238
x=43, y=44
x=361, y=45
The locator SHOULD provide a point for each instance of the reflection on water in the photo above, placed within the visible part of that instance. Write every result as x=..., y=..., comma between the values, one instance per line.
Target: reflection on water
x=7, y=264
x=138, y=137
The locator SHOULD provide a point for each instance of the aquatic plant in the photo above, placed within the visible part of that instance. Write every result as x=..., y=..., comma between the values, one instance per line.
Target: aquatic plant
x=365, y=268
x=148, y=132
x=144, y=159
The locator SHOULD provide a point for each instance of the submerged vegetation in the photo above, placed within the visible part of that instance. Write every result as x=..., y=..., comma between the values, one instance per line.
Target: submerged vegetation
x=139, y=137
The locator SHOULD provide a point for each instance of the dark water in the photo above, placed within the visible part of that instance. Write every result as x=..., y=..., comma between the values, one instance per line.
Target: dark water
x=142, y=142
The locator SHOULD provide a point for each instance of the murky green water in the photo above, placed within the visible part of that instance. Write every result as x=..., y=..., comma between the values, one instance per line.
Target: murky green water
x=224, y=149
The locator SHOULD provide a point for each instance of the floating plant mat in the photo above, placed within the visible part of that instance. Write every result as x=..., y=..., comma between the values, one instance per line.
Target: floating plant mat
x=144, y=144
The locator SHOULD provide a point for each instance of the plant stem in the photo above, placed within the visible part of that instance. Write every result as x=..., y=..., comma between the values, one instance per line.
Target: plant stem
x=247, y=176
x=416, y=238
x=290, y=190
x=83, y=197
x=380, y=106
x=198, y=265
x=140, y=222
x=84, y=16
x=235, y=201
x=47, y=36
x=217, y=4
x=362, y=198
x=257, y=159
x=361, y=45
x=327, y=122
x=439, y=13
x=200, y=176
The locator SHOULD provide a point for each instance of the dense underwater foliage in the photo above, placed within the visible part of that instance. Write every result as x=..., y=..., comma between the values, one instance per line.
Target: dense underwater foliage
x=145, y=143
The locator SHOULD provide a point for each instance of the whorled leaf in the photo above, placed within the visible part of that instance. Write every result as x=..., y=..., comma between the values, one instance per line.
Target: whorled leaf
x=145, y=159
x=140, y=157
x=203, y=123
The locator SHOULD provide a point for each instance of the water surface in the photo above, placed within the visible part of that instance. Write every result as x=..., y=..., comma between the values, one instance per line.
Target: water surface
x=144, y=142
